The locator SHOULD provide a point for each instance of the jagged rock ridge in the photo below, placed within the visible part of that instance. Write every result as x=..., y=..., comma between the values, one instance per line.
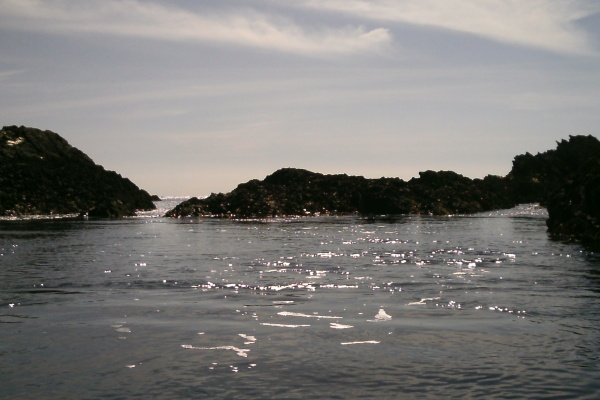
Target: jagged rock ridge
x=40, y=174
x=291, y=191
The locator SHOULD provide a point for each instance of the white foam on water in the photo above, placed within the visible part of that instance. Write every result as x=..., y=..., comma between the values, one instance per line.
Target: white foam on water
x=422, y=301
x=360, y=342
x=249, y=339
x=333, y=325
x=238, y=351
x=382, y=316
x=283, y=325
x=294, y=314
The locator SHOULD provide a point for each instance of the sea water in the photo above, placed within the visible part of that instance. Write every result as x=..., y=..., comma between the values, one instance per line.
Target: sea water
x=473, y=306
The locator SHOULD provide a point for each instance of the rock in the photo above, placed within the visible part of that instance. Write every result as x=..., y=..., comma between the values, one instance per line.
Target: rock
x=446, y=192
x=155, y=197
x=41, y=174
x=298, y=192
x=567, y=181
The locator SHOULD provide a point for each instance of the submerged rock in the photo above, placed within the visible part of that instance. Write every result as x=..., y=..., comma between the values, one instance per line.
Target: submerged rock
x=41, y=174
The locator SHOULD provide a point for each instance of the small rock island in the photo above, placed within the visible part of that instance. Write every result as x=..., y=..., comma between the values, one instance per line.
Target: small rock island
x=565, y=180
x=41, y=174
x=298, y=192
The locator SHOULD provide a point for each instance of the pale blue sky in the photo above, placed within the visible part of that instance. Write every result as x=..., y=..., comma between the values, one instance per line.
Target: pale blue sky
x=193, y=97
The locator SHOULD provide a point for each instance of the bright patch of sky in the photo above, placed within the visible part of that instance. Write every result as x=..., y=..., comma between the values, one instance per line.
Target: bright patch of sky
x=194, y=97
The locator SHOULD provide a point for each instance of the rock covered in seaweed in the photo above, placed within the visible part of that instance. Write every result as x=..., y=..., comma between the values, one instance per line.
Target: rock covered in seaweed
x=291, y=191
x=40, y=173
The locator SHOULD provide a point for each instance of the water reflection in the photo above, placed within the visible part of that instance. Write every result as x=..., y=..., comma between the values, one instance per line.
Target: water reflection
x=480, y=306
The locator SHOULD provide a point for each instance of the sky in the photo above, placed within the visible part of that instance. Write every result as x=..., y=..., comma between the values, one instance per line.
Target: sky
x=191, y=97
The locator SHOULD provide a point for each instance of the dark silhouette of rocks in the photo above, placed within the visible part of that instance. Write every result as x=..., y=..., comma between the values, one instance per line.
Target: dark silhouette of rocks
x=567, y=181
x=41, y=174
x=298, y=192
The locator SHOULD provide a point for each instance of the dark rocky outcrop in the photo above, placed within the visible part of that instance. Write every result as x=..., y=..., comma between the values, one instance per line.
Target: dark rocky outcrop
x=567, y=181
x=41, y=174
x=446, y=192
x=295, y=192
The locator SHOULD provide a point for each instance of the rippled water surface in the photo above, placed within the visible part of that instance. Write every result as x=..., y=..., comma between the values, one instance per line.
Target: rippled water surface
x=480, y=306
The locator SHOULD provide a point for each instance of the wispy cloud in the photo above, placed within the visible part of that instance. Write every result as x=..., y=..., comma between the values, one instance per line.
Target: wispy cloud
x=4, y=75
x=545, y=24
x=554, y=102
x=133, y=18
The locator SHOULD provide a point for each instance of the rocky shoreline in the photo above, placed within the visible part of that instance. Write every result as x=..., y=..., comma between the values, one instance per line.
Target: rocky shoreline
x=565, y=180
x=298, y=192
x=41, y=174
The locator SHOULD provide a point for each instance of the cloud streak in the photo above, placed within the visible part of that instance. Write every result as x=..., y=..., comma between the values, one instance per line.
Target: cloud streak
x=544, y=24
x=132, y=18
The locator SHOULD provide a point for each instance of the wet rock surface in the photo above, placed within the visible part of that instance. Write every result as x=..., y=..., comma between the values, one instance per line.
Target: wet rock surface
x=41, y=174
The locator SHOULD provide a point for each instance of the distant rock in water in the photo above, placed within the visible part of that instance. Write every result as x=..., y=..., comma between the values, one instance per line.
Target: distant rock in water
x=41, y=174
x=298, y=192
x=567, y=181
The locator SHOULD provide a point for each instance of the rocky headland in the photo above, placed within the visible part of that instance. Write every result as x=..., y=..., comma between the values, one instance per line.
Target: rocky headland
x=41, y=174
